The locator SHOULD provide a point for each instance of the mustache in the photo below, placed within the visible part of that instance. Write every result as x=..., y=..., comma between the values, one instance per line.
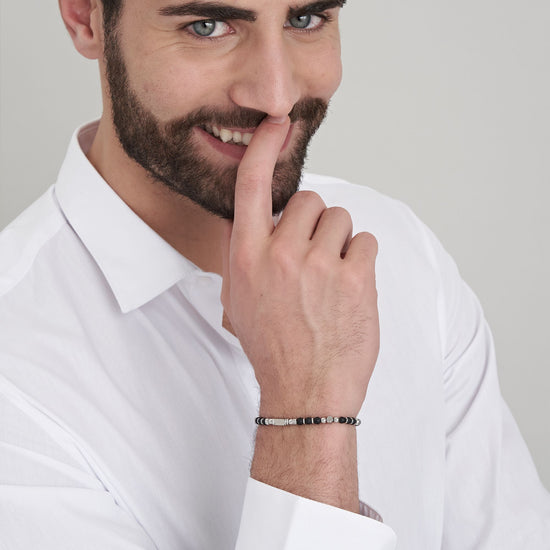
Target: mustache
x=312, y=111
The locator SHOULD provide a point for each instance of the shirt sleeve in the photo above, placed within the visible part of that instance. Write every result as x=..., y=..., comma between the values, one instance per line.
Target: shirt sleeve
x=49, y=501
x=493, y=495
x=273, y=519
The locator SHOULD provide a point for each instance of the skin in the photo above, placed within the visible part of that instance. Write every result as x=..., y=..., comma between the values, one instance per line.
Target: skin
x=301, y=297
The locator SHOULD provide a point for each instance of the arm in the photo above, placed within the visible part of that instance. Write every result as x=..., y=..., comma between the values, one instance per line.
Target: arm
x=48, y=498
x=306, y=316
x=494, y=498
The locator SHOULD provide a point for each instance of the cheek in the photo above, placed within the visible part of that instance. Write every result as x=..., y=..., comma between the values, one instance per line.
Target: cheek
x=334, y=75
x=171, y=80
x=324, y=72
x=175, y=87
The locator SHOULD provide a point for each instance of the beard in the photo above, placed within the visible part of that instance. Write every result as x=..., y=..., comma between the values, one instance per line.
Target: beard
x=169, y=154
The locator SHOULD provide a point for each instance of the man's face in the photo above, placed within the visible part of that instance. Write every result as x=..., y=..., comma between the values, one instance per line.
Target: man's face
x=190, y=81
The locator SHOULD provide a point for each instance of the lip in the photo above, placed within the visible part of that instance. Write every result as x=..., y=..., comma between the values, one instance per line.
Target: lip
x=230, y=149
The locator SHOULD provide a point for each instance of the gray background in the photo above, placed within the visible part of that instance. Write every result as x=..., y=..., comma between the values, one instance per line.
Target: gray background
x=444, y=105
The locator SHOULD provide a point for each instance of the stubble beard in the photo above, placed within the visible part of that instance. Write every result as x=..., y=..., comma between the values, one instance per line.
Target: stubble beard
x=168, y=153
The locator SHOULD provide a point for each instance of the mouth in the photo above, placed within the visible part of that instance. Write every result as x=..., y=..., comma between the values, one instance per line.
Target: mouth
x=232, y=142
x=226, y=135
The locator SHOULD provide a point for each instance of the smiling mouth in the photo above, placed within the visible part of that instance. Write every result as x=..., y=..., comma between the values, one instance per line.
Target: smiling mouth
x=225, y=135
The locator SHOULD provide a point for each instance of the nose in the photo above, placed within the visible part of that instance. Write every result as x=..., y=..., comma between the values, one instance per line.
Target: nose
x=266, y=79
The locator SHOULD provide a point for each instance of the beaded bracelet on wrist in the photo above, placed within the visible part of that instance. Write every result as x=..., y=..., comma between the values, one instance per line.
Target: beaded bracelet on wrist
x=263, y=421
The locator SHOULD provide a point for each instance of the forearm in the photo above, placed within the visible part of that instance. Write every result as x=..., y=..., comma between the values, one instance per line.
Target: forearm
x=316, y=462
x=302, y=299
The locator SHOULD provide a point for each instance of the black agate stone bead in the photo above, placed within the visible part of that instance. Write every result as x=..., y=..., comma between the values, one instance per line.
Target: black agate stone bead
x=317, y=420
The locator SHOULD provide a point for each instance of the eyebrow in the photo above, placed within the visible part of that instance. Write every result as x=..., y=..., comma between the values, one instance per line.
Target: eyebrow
x=223, y=12
x=315, y=7
x=209, y=10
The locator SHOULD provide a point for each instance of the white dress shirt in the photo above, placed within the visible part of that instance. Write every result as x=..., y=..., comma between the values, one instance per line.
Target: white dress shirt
x=127, y=411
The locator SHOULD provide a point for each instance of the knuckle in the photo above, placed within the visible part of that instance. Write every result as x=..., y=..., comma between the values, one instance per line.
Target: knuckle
x=337, y=217
x=281, y=256
x=250, y=178
x=368, y=241
x=250, y=173
x=319, y=262
x=242, y=260
x=339, y=213
x=307, y=197
x=365, y=247
x=354, y=281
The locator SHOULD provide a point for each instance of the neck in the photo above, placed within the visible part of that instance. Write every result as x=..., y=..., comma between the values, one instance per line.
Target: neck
x=186, y=226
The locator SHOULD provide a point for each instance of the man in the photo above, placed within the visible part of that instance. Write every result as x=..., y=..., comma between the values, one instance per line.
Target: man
x=129, y=391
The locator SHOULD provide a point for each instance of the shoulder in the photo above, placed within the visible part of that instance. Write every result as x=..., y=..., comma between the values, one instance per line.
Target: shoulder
x=405, y=243
x=389, y=219
x=23, y=240
x=360, y=199
x=339, y=189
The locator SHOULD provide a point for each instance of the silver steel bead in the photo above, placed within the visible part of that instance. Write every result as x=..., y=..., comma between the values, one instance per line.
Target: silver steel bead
x=323, y=420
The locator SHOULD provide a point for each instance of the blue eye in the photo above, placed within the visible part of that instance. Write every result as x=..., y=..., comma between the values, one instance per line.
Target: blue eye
x=307, y=22
x=204, y=28
x=209, y=28
x=300, y=22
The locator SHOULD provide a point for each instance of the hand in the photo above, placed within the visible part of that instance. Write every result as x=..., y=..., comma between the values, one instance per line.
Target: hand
x=301, y=296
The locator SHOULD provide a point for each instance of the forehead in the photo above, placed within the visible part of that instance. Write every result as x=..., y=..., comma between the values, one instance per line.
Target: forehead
x=250, y=9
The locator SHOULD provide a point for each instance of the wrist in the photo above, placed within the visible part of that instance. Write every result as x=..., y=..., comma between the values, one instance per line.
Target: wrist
x=315, y=462
x=288, y=406
x=309, y=400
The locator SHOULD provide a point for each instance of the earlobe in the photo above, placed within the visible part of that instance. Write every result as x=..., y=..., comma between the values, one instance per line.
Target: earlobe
x=83, y=21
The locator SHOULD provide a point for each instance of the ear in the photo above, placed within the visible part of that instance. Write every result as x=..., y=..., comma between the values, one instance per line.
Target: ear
x=83, y=19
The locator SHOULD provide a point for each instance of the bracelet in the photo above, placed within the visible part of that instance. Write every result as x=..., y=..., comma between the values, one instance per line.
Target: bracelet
x=263, y=421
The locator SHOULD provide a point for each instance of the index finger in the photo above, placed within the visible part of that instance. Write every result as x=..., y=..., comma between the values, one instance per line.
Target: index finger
x=253, y=203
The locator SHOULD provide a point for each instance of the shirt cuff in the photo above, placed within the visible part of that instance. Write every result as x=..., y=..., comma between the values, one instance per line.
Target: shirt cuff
x=273, y=519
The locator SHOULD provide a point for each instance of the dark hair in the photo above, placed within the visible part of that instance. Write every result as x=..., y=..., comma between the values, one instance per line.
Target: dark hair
x=111, y=13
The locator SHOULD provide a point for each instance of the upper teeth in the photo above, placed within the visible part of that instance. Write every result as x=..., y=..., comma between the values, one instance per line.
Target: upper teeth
x=228, y=135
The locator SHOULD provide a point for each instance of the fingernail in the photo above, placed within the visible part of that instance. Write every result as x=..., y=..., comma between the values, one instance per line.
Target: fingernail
x=277, y=119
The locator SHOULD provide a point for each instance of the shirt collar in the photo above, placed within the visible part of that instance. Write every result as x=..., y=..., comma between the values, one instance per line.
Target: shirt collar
x=138, y=264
